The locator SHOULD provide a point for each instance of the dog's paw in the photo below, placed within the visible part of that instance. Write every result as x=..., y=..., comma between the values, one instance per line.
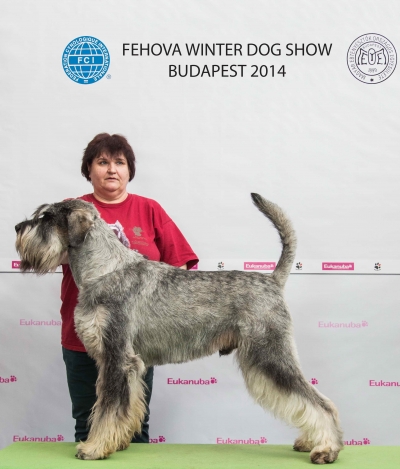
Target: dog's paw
x=302, y=445
x=323, y=456
x=124, y=446
x=83, y=453
x=88, y=457
x=80, y=455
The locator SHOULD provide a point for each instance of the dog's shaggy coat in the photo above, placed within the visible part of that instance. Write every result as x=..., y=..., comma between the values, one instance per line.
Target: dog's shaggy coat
x=134, y=313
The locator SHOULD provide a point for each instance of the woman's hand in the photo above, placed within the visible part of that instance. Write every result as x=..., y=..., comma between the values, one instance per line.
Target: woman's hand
x=64, y=259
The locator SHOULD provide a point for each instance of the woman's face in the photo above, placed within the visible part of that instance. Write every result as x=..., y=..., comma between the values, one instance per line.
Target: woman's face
x=109, y=175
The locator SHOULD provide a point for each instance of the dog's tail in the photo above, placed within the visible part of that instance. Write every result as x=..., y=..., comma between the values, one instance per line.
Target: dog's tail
x=286, y=233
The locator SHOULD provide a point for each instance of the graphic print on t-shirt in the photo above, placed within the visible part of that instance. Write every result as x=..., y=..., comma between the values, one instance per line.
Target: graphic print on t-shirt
x=139, y=238
x=119, y=231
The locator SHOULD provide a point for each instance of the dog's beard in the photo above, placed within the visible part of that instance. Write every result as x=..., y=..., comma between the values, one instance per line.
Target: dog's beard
x=36, y=254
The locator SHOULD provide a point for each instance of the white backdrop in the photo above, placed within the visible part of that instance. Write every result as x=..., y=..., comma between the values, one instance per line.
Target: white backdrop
x=317, y=141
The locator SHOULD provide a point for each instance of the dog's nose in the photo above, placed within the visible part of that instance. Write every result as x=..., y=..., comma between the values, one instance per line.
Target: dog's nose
x=18, y=227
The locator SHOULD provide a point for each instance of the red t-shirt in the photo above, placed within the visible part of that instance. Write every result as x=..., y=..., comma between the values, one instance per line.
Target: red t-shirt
x=140, y=224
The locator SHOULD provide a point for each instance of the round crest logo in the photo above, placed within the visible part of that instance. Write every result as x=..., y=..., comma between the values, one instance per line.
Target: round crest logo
x=85, y=60
x=371, y=58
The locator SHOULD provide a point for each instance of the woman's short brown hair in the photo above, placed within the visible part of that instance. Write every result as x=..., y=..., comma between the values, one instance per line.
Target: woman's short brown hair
x=111, y=145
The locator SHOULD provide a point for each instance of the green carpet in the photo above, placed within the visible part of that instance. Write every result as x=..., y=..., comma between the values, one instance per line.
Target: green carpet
x=28, y=455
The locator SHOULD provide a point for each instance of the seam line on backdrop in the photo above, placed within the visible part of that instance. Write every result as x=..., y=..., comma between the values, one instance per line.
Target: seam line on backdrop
x=292, y=273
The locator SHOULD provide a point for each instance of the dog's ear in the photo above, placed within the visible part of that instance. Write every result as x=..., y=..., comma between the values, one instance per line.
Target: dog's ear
x=79, y=223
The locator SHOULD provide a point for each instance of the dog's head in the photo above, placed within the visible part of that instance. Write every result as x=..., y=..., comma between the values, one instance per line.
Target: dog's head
x=43, y=240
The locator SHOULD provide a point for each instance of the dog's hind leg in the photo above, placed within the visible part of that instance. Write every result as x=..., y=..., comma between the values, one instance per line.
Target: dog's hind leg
x=120, y=407
x=274, y=379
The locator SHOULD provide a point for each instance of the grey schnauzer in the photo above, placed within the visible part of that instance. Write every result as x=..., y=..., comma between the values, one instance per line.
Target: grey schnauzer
x=134, y=313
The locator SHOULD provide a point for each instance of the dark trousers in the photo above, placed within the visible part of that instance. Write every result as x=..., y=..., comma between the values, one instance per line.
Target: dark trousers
x=81, y=377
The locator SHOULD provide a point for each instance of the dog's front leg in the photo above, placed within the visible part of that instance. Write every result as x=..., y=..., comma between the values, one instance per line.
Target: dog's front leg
x=120, y=407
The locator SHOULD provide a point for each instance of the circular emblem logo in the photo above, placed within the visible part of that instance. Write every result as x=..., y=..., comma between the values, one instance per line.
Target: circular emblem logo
x=371, y=58
x=86, y=60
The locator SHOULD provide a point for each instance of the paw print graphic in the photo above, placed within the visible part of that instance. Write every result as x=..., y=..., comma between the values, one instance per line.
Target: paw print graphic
x=364, y=324
x=377, y=266
x=314, y=381
x=213, y=380
x=60, y=438
x=221, y=265
x=299, y=266
x=366, y=441
x=263, y=440
x=161, y=439
x=13, y=378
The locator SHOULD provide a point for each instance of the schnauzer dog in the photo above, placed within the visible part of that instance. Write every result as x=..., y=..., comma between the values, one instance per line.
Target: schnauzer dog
x=134, y=313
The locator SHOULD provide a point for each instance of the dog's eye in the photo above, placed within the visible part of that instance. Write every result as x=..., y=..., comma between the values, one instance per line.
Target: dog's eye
x=45, y=215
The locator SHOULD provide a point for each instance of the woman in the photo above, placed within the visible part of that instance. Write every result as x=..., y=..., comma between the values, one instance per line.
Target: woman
x=139, y=223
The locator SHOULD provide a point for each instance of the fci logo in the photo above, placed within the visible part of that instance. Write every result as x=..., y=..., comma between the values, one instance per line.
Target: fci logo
x=85, y=60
